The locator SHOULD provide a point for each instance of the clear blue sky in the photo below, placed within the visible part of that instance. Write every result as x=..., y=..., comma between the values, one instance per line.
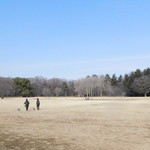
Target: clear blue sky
x=73, y=38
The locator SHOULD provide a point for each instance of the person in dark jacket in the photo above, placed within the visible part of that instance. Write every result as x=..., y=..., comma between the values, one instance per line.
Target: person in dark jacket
x=38, y=104
x=26, y=103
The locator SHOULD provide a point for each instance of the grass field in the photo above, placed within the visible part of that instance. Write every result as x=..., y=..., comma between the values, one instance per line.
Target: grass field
x=75, y=124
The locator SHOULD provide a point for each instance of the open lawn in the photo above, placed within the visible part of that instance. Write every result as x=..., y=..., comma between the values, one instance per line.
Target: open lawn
x=71, y=123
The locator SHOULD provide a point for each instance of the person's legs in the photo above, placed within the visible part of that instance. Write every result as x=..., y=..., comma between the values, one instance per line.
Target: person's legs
x=38, y=107
x=26, y=108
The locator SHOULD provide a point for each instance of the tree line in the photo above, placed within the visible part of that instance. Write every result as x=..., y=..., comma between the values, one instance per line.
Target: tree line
x=136, y=83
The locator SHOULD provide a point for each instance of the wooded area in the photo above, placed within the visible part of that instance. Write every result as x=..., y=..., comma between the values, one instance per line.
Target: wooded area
x=136, y=83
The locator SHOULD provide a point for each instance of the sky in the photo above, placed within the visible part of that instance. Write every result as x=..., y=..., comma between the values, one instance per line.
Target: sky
x=71, y=39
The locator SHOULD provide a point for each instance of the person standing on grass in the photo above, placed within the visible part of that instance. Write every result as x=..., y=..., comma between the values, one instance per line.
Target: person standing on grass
x=38, y=104
x=26, y=103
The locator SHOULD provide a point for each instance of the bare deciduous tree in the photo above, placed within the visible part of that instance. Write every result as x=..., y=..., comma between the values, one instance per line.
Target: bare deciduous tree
x=142, y=85
x=7, y=87
x=58, y=91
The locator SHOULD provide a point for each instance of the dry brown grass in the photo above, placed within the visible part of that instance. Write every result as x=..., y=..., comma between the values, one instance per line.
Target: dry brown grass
x=75, y=124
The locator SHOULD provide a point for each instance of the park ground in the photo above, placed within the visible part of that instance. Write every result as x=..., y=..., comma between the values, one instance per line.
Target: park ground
x=71, y=123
